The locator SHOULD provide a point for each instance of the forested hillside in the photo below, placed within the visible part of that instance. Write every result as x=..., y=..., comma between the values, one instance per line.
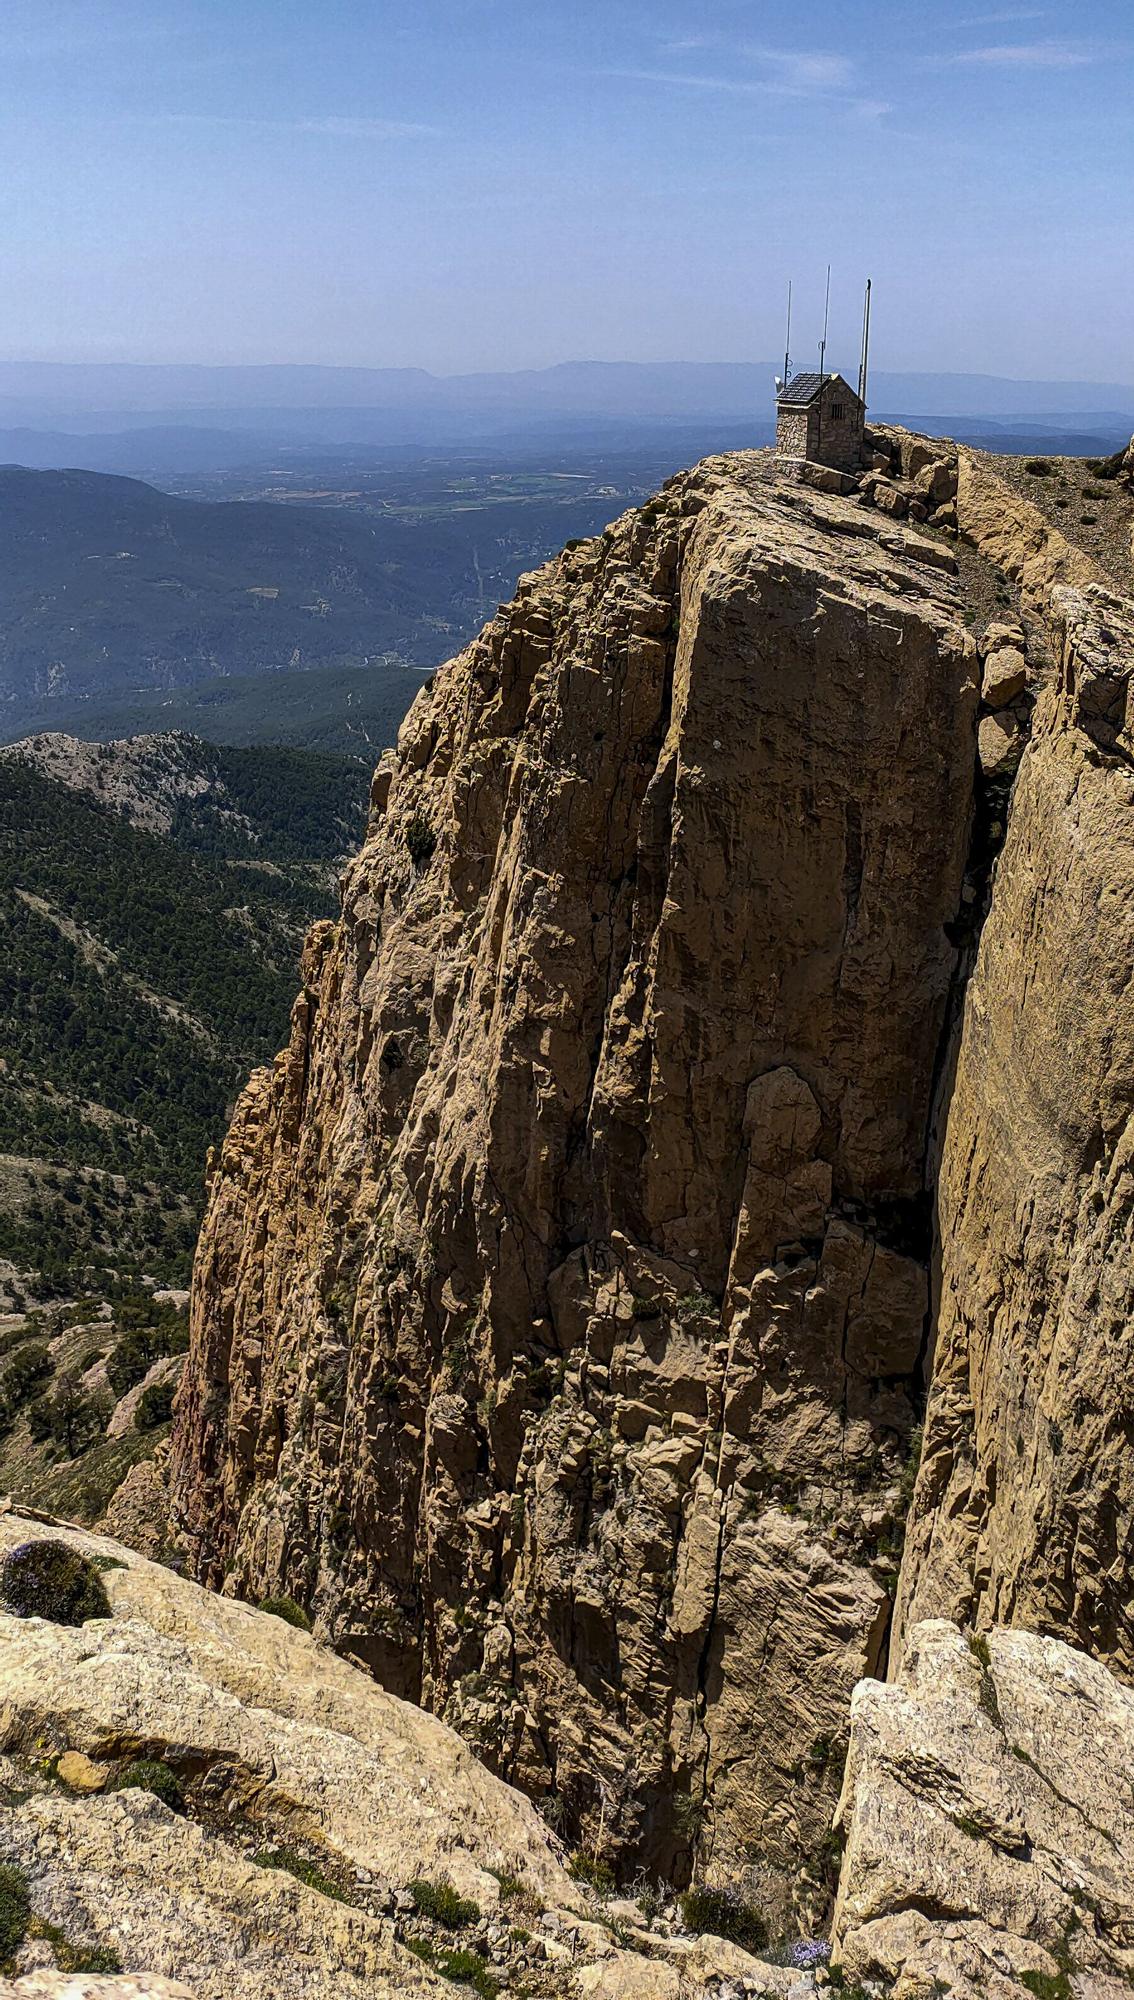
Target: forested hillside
x=144, y=974
x=108, y=588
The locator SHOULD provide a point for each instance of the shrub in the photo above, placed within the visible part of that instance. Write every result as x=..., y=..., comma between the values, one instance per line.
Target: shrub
x=28, y=1370
x=1047, y=1985
x=440, y=1901
x=47, y=1579
x=696, y=1305
x=1039, y=468
x=149, y=1774
x=95, y=1958
x=15, y=1909
x=725, y=1914
x=155, y=1406
x=908, y=1478
x=421, y=841
x=510, y=1885
x=74, y=1957
x=469, y=1969
x=287, y=1609
x=597, y=1875
x=294, y=1863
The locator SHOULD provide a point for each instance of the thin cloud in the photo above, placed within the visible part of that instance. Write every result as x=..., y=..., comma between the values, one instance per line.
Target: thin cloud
x=1001, y=20
x=59, y=43
x=321, y=127
x=801, y=71
x=807, y=69
x=820, y=74
x=1026, y=55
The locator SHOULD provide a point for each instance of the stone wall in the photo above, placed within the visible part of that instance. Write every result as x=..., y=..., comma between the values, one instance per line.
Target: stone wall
x=834, y=440
x=792, y=434
x=813, y=433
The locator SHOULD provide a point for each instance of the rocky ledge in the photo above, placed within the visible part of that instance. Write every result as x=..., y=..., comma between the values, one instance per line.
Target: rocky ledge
x=988, y=1810
x=195, y=1792
x=198, y=1802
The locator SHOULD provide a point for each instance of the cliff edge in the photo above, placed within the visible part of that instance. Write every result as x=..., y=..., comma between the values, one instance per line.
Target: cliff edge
x=571, y=1285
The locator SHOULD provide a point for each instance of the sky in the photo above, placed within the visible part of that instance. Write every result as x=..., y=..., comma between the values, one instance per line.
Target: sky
x=483, y=184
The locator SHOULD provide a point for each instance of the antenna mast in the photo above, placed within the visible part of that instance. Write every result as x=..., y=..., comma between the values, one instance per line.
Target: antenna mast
x=787, y=340
x=826, y=319
x=865, y=347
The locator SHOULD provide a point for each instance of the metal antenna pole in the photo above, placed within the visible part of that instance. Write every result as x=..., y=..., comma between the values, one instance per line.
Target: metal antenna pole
x=865, y=347
x=826, y=320
x=787, y=339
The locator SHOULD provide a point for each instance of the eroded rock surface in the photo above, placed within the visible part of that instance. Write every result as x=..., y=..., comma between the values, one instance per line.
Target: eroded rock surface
x=92, y=1986
x=202, y=1794
x=1024, y=1508
x=563, y=1286
x=290, y=1735
x=988, y=1811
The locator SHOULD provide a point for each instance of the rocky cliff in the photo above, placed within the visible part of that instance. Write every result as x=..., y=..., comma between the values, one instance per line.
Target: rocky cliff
x=567, y=1295
x=1025, y=1505
x=561, y=1305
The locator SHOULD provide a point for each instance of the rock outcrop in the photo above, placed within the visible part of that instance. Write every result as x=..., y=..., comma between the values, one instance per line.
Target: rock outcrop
x=570, y=1286
x=198, y=1792
x=988, y=1812
x=1024, y=1508
x=92, y=1986
x=560, y=1308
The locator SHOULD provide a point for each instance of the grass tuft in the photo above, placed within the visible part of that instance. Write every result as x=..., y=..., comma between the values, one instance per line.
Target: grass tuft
x=724, y=1913
x=440, y=1901
x=287, y=1609
x=15, y=1909
x=47, y=1579
x=149, y=1774
x=291, y=1862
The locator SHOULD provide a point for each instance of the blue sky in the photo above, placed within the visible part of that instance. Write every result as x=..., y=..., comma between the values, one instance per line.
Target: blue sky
x=462, y=184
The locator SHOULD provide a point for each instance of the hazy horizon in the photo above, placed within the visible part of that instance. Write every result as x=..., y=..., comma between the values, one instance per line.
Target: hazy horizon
x=494, y=185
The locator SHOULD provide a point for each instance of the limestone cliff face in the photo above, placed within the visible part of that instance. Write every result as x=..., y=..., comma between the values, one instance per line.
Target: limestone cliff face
x=562, y=1295
x=1024, y=1509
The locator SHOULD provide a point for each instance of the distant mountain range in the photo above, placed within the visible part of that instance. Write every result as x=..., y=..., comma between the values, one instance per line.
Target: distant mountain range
x=619, y=388
x=123, y=608
x=383, y=407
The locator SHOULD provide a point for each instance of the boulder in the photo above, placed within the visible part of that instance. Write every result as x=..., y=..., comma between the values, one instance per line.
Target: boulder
x=275, y=1744
x=826, y=479
x=936, y=481
x=1000, y=744
x=1000, y=634
x=1005, y=676
x=891, y=499
x=988, y=1815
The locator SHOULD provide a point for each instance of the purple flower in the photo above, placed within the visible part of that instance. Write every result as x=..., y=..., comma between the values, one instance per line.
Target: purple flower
x=808, y=1952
